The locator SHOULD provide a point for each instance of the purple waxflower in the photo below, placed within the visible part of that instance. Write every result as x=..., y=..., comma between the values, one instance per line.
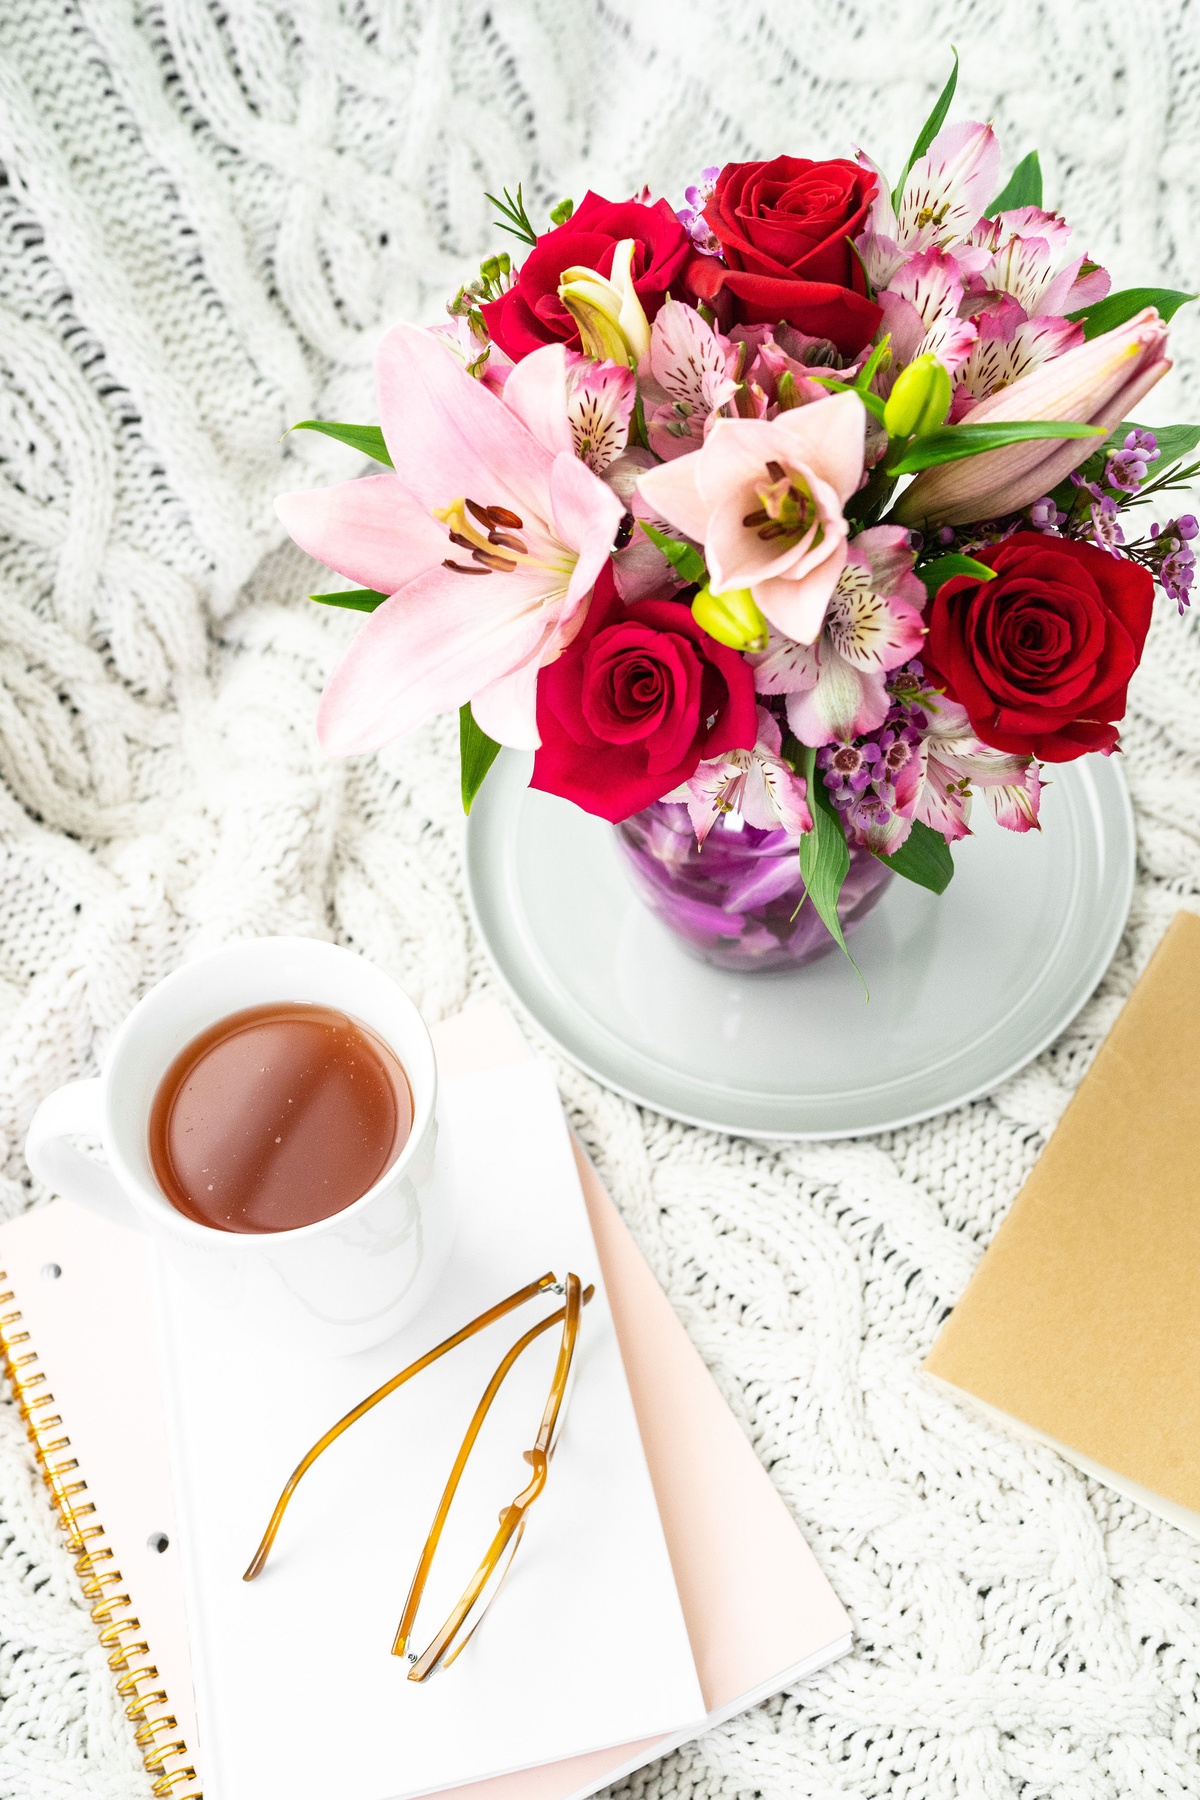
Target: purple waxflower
x=1172, y=558
x=1044, y=515
x=691, y=216
x=1106, y=528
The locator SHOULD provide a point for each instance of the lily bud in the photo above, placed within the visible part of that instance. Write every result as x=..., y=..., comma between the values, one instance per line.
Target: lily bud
x=613, y=326
x=920, y=399
x=1098, y=383
x=732, y=618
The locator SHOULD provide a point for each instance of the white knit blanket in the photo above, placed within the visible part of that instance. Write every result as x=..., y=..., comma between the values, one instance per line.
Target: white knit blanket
x=212, y=208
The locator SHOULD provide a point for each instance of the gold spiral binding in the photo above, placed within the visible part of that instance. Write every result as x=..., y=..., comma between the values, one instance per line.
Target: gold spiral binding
x=146, y=1705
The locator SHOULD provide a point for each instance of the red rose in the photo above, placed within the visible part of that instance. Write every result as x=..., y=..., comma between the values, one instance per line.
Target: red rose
x=634, y=702
x=785, y=228
x=1041, y=656
x=531, y=314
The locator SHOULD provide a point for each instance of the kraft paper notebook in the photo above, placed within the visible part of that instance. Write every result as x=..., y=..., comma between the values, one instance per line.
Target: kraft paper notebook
x=755, y=1611
x=1080, y=1323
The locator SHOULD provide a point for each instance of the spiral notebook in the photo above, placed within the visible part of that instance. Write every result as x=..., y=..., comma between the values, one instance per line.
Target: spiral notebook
x=758, y=1613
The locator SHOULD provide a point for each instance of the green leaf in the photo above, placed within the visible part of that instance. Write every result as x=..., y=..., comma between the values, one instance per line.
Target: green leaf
x=1174, y=441
x=477, y=752
x=357, y=599
x=366, y=438
x=872, y=402
x=929, y=129
x=686, y=561
x=1118, y=309
x=824, y=852
x=944, y=568
x=923, y=857
x=950, y=443
x=1023, y=187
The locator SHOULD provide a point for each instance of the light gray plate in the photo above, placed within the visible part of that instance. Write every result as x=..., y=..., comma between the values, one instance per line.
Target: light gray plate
x=965, y=988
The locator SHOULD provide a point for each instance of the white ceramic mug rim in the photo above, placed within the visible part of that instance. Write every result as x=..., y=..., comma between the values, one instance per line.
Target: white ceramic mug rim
x=151, y=1195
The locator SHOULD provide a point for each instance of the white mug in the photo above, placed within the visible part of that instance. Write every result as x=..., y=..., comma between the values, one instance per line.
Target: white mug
x=338, y=1285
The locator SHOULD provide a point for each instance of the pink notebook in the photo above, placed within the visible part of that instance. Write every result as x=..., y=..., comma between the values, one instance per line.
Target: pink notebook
x=80, y=1346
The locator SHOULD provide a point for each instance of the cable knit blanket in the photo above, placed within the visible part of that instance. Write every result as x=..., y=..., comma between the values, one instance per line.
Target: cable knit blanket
x=210, y=209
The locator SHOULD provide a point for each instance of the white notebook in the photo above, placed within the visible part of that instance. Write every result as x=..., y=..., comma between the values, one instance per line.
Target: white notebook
x=586, y=1644
x=79, y=1350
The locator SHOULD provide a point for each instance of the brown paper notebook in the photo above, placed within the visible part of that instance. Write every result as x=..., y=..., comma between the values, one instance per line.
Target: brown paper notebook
x=1080, y=1323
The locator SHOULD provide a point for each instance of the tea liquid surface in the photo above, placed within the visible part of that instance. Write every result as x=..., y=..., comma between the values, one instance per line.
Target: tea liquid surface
x=276, y=1117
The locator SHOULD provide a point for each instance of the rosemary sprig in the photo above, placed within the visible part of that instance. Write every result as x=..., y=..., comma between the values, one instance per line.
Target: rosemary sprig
x=521, y=225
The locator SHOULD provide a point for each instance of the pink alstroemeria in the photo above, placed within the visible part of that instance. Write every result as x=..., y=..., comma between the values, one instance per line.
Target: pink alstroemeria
x=944, y=196
x=765, y=498
x=921, y=312
x=1008, y=346
x=488, y=536
x=836, y=688
x=756, y=783
x=1098, y=383
x=1025, y=257
x=952, y=760
x=697, y=369
x=600, y=401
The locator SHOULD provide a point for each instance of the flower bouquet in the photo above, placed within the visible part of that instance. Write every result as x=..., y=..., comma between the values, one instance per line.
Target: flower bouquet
x=776, y=527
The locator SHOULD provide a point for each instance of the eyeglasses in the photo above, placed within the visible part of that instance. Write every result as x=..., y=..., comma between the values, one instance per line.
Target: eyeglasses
x=482, y=1588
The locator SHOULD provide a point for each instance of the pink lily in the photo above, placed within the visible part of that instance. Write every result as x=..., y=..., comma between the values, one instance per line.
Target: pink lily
x=837, y=687
x=943, y=199
x=488, y=536
x=756, y=783
x=1098, y=383
x=765, y=498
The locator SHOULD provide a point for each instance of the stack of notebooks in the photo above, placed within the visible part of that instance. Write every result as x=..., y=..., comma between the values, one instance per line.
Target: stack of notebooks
x=661, y=1587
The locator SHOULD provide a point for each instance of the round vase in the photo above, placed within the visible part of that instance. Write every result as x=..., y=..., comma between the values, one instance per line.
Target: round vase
x=735, y=900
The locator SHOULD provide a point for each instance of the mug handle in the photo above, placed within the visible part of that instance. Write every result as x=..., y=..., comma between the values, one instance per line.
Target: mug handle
x=69, y=1171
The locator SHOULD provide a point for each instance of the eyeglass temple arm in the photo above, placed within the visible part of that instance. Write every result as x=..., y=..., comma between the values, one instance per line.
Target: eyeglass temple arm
x=421, y=1575
x=258, y=1562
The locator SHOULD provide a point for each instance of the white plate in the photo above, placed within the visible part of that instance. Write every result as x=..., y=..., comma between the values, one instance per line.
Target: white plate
x=965, y=988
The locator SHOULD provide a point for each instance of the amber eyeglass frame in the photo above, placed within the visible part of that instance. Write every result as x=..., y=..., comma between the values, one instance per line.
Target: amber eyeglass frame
x=451, y=1639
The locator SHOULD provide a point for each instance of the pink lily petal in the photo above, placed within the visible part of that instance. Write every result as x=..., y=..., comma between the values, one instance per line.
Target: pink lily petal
x=426, y=650
x=796, y=607
x=507, y=709
x=586, y=515
x=370, y=530
x=1016, y=806
x=672, y=492
x=447, y=435
x=536, y=392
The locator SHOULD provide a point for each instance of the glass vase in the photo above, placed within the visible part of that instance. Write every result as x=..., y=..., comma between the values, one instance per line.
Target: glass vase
x=733, y=901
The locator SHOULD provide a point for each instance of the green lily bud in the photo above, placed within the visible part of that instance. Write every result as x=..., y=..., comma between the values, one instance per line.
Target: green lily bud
x=920, y=399
x=732, y=618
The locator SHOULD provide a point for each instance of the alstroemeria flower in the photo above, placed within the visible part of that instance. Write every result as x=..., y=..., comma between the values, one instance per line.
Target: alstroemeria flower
x=765, y=498
x=756, y=783
x=921, y=312
x=1008, y=346
x=836, y=688
x=488, y=536
x=600, y=402
x=697, y=369
x=944, y=196
x=952, y=760
x=1025, y=258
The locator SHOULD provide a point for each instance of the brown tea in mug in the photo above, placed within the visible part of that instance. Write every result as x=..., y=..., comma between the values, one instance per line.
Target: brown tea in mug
x=276, y=1117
